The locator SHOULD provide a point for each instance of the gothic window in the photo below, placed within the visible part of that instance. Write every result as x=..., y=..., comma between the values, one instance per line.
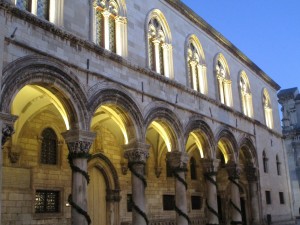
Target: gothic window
x=49, y=147
x=224, y=82
x=246, y=96
x=267, y=109
x=278, y=165
x=195, y=65
x=110, y=26
x=159, y=45
x=265, y=162
x=40, y=8
x=46, y=201
x=193, y=169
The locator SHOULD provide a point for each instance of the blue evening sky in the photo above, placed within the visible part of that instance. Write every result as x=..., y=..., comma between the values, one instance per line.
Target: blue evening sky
x=266, y=31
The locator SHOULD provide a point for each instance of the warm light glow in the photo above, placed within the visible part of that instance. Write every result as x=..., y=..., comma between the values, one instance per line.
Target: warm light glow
x=118, y=120
x=198, y=143
x=223, y=150
x=163, y=134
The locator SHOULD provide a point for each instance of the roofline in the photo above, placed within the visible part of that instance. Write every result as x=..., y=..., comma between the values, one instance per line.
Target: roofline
x=200, y=22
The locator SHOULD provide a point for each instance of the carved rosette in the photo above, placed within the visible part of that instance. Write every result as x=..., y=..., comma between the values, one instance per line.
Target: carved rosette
x=177, y=160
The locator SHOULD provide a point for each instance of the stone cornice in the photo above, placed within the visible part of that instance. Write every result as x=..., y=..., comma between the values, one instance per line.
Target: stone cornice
x=203, y=25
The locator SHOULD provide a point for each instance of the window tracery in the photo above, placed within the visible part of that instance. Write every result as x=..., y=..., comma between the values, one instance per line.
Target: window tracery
x=224, y=81
x=110, y=26
x=246, y=95
x=196, y=66
x=159, y=46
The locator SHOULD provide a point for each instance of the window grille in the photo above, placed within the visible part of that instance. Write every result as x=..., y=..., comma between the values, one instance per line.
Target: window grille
x=46, y=201
x=49, y=147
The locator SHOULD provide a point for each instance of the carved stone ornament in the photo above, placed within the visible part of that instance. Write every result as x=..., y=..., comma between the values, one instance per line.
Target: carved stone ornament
x=210, y=166
x=7, y=132
x=79, y=141
x=177, y=160
x=136, y=152
x=13, y=156
x=251, y=173
x=234, y=171
x=124, y=167
x=136, y=156
x=158, y=170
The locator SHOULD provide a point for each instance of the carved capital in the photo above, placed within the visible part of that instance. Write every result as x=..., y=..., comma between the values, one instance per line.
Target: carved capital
x=136, y=152
x=251, y=173
x=7, y=121
x=234, y=171
x=210, y=166
x=79, y=141
x=177, y=160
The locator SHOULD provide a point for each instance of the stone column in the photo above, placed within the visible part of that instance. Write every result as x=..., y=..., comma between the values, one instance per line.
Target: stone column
x=7, y=130
x=221, y=89
x=178, y=163
x=235, y=201
x=121, y=36
x=252, y=177
x=106, y=16
x=79, y=143
x=194, y=75
x=210, y=171
x=137, y=154
x=156, y=59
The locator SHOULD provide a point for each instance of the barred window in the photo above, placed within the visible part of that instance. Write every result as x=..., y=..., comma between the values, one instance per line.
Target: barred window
x=49, y=147
x=168, y=202
x=196, y=202
x=46, y=201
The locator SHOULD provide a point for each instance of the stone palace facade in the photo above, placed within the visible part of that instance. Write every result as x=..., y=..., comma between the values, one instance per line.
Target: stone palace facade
x=119, y=112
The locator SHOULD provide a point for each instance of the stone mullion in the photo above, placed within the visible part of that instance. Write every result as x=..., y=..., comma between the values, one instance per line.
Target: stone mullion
x=194, y=75
x=178, y=163
x=79, y=143
x=137, y=154
x=156, y=54
x=106, y=29
x=210, y=168
x=221, y=89
x=236, y=213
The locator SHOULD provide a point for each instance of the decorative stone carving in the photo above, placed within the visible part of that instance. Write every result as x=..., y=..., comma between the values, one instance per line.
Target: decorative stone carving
x=177, y=160
x=158, y=170
x=234, y=171
x=210, y=166
x=7, y=132
x=79, y=141
x=251, y=173
x=136, y=152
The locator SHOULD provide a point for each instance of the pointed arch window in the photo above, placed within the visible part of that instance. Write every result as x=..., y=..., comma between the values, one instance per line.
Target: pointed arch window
x=224, y=81
x=267, y=109
x=110, y=26
x=246, y=96
x=159, y=45
x=278, y=166
x=196, y=66
x=193, y=169
x=265, y=162
x=49, y=147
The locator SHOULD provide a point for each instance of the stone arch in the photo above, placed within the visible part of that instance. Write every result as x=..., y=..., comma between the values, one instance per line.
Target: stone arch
x=197, y=124
x=224, y=134
x=156, y=13
x=51, y=74
x=170, y=120
x=247, y=144
x=220, y=57
x=192, y=38
x=109, y=93
x=110, y=174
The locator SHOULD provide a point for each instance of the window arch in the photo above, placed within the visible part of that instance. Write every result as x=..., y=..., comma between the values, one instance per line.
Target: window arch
x=193, y=168
x=246, y=96
x=278, y=165
x=223, y=78
x=196, y=65
x=49, y=147
x=110, y=26
x=44, y=9
x=267, y=109
x=159, y=44
x=265, y=162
